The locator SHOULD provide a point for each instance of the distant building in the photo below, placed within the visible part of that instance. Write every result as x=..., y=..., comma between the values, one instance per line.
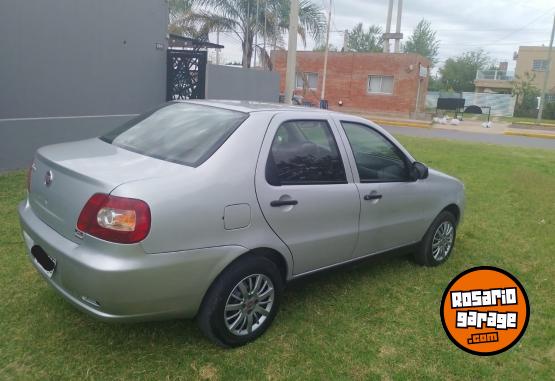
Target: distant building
x=499, y=81
x=533, y=59
x=529, y=59
x=365, y=82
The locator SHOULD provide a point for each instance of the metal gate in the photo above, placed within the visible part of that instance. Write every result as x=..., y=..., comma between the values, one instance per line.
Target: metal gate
x=186, y=74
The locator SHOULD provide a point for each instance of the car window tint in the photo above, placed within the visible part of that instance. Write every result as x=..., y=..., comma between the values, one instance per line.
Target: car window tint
x=376, y=157
x=304, y=152
x=182, y=133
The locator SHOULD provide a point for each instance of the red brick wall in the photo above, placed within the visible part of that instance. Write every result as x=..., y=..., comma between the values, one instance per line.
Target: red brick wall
x=347, y=79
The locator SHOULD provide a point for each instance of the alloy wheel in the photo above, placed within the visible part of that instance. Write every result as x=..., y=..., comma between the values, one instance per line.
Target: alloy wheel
x=442, y=241
x=249, y=304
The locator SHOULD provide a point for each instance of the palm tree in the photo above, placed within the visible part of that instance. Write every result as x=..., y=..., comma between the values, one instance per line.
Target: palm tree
x=186, y=20
x=240, y=17
x=182, y=18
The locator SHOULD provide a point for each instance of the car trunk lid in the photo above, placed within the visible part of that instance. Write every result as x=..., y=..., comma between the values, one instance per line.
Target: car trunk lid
x=66, y=175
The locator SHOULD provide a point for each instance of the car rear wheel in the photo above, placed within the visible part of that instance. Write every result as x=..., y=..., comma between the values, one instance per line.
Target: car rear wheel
x=438, y=243
x=242, y=302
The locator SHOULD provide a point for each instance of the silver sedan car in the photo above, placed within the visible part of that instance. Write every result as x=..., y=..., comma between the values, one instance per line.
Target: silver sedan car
x=207, y=209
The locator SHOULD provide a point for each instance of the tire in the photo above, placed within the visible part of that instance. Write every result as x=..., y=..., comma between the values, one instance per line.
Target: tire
x=430, y=255
x=224, y=327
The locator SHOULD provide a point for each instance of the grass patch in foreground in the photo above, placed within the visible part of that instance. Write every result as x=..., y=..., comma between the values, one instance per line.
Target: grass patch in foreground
x=378, y=320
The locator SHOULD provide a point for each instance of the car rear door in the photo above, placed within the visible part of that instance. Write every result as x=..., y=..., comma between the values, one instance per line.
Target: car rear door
x=394, y=207
x=306, y=192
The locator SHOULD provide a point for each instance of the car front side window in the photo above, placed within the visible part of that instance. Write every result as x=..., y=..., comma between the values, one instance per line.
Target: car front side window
x=304, y=152
x=377, y=159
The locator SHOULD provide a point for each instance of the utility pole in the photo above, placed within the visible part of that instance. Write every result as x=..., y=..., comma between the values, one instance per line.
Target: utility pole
x=388, y=26
x=292, y=51
x=345, y=39
x=326, y=52
x=398, y=25
x=547, y=72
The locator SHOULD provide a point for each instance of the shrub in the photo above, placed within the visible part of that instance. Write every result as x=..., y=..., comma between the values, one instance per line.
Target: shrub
x=549, y=110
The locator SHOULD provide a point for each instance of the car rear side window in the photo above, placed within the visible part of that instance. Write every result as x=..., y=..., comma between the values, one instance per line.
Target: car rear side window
x=304, y=152
x=377, y=159
x=182, y=133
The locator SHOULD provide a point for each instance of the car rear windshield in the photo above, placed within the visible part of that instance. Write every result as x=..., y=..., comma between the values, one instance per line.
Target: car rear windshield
x=182, y=133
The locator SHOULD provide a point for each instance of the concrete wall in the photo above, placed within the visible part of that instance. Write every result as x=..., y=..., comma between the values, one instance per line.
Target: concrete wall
x=227, y=82
x=77, y=58
x=19, y=139
x=347, y=79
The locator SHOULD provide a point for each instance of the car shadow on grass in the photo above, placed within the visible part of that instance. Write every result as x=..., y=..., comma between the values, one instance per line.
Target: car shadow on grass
x=57, y=320
x=306, y=291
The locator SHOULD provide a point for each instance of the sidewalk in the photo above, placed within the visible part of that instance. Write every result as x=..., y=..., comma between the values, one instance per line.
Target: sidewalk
x=499, y=128
x=469, y=125
x=394, y=121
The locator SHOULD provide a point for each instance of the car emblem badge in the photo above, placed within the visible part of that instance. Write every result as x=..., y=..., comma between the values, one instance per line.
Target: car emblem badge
x=48, y=178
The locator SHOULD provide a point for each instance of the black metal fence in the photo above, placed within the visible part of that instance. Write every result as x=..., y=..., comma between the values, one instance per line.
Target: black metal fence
x=186, y=74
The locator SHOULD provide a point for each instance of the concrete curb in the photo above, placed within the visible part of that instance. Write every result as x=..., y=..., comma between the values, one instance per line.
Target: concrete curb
x=548, y=125
x=530, y=134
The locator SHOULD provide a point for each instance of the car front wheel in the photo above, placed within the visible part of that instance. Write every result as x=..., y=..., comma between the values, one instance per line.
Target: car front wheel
x=242, y=302
x=439, y=240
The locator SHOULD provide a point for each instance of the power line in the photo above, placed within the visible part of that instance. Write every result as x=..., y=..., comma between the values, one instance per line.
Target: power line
x=544, y=13
x=515, y=42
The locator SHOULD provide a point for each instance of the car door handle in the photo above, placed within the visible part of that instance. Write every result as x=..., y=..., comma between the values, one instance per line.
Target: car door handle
x=372, y=196
x=278, y=203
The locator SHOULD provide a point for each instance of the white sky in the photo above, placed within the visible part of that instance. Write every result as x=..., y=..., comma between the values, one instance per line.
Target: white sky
x=497, y=26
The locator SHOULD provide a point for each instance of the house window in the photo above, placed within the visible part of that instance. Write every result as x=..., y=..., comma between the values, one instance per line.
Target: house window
x=311, y=80
x=539, y=65
x=380, y=84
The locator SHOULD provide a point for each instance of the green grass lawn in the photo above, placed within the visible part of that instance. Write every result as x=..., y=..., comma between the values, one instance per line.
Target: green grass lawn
x=378, y=320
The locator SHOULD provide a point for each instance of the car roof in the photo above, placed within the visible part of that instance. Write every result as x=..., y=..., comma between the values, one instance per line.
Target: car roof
x=251, y=106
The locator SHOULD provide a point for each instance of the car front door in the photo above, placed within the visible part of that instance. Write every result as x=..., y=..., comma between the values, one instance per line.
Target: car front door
x=394, y=207
x=305, y=192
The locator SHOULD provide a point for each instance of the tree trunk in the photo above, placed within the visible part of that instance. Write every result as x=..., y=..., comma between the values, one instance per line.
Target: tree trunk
x=245, y=60
x=247, y=50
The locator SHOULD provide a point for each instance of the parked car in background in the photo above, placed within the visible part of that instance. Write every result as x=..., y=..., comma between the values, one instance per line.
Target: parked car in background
x=207, y=209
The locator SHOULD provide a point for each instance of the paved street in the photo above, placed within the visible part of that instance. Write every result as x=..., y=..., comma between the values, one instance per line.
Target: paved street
x=521, y=141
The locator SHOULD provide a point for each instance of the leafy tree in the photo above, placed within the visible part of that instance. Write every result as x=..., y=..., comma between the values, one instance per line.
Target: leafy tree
x=526, y=94
x=424, y=41
x=434, y=83
x=359, y=40
x=240, y=18
x=459, y=73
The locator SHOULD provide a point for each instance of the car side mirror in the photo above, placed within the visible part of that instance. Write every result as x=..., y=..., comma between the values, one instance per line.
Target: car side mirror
x=419, y=171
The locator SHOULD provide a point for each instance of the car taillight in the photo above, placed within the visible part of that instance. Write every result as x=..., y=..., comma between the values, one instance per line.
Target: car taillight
x=115, y=219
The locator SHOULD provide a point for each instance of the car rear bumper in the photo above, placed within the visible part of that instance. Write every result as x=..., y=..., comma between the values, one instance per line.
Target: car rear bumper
x=120, y=282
